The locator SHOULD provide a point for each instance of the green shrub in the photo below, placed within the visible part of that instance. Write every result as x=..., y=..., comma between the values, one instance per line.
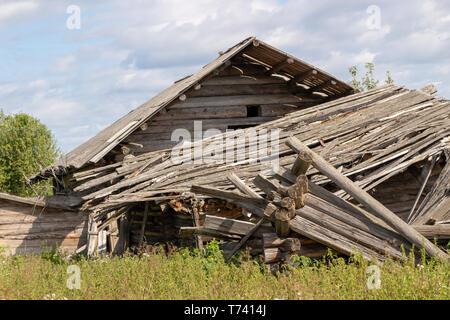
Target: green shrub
x=26, y=146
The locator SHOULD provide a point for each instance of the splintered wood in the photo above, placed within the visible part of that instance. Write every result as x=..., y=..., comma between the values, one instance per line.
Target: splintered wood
x=364, y=174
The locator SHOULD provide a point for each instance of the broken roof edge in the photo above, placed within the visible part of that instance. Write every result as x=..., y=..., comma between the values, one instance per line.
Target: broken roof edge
x=102, y=143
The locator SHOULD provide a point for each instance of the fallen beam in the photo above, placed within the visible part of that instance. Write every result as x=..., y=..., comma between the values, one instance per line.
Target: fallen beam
x=364, y=198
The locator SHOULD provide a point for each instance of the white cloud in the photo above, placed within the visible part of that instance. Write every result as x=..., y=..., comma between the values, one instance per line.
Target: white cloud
x=128, y=51
x=63, y=63
x=13, y=9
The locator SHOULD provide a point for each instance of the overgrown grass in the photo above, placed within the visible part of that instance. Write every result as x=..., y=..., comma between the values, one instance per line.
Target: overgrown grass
x=190, y=274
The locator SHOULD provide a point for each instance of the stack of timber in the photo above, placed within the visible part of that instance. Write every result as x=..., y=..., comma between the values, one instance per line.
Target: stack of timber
x=385, y=140
x=318, y=215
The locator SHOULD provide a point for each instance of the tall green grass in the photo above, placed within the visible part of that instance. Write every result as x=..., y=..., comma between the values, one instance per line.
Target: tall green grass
x=191, y=274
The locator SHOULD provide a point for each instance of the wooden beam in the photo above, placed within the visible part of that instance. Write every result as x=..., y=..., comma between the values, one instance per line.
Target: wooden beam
x=277, y=67
x=439, y=232
x=249, y=191
x=364, y=198
x=301, y=77
x=245, y=238
x=321, y=86
x=426, y=172
x=301, y=164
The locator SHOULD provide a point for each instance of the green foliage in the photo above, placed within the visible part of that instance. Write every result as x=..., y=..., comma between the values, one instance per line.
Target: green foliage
x=183, y=275
x=368, y=81
x=26, y=146
x=54, y=255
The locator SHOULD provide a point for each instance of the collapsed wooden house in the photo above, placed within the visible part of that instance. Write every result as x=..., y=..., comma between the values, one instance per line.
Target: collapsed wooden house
x=393, y=143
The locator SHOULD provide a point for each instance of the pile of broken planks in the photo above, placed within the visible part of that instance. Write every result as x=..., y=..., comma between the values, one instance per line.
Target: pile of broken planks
x=304, y=210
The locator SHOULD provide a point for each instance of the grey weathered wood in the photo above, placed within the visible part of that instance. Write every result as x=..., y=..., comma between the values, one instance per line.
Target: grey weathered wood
x=142, y=233
x=271, y=240
x=439, y=232
x=232, y=226
x=229, y=101
x=377, y=208
x=427, y=172
x=301, y=164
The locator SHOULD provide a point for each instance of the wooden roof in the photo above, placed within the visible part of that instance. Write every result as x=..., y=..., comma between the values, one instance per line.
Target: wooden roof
x=98, y=146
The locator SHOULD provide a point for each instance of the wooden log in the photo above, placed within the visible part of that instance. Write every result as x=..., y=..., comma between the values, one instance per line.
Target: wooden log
x=298, y=190
x=272, y=255
x=231, y=226
x=242, y=80
x=241, y=89
x=230, y=101
x=244, y=239
x=325, y=85
x=302, y=76
x=271, y=240
x=283, y=216
x=301, y=164
x=205, y=112
x=249, y=191
x=241, y=186
x=277, y=110
x=356, y=217
x=331, y=239
x=277, y=67
x=363, y=197
x=439, y=232
x=364, y=238
x=288, y=204
x=144, y=126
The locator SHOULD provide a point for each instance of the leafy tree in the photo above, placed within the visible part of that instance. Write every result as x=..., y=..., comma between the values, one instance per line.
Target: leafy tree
x=26, y=146
x=368, y=81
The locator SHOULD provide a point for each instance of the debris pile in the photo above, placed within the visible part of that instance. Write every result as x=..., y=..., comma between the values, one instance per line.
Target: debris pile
x=366, y=173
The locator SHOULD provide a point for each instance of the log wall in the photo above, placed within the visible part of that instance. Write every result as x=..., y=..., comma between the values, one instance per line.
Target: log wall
x=240, y=96
x=26, y=229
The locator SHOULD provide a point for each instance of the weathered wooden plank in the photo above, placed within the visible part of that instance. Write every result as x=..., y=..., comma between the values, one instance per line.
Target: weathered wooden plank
x=241, y=89
x=440, y=232
x=203, y=112
x=241, y=100
x=377, y=208
x=232, y=226
x=274, y=110
x=242, y=80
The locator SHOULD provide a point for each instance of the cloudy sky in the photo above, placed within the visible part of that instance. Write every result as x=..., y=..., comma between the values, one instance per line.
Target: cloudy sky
x=79, y=78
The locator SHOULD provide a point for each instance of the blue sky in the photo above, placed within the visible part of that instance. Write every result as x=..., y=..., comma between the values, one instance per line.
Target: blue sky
x=78, y=81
